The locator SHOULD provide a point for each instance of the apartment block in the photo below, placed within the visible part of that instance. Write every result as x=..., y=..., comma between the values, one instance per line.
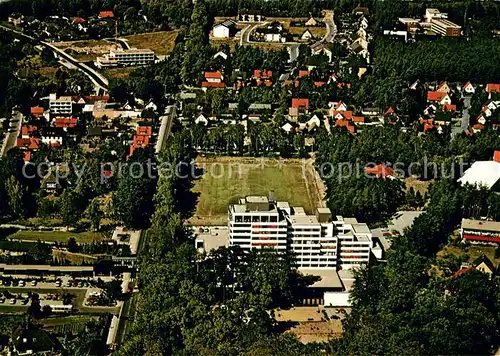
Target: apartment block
x=126, y=57
x=319, y=241
x=446, y=28
x=62, y=105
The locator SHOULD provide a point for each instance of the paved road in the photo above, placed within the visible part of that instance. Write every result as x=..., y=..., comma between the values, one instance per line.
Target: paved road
x=97, y=78
x=12, y=133
x=331, y=28
x=165, y=127
x=464, y=125
x=245, y=33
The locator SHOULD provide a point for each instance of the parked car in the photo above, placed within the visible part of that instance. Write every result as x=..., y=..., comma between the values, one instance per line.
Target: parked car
x=12, y=301
x=22, y=283
x=68, y=283
x=58, y=283
x=33, y=283
x=80, y=284
x=25, y=301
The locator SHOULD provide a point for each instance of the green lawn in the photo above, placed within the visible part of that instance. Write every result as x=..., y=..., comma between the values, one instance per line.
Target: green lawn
x=57, y=236
x=225, y=180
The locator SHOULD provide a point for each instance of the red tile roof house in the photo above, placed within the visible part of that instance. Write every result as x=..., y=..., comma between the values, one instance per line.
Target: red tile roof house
x=37, y=111
x=26, y=131
x=436, y=96
x=262, y=74
x=29, y=143
x=347, y=124
x=380, y=171
x=496, y=156
x=493, y=88
x=299, y=106
x=263, y=77
x=449, y=107
x=106, y=15
x=468, y=88
x=213, y=80
x=303, y=73
x=141, y=139
x=144, y=130
x=66, y=122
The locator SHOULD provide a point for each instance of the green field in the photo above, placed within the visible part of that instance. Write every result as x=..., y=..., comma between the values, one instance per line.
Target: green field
x=225, y=180
x=57, y=236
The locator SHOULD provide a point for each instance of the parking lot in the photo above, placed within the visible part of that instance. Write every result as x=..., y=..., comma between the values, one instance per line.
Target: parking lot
x=14, y=293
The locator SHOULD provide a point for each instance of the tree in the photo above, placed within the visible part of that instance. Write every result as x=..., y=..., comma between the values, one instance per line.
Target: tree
x=15, y=194
x=94, y=214
x=72, y=245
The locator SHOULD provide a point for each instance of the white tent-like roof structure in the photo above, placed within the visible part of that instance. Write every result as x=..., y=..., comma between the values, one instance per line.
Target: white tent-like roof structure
x=482, y=173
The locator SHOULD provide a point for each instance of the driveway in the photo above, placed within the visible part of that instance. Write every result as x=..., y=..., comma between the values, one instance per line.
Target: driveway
x=403, y=219
x=12, y=133
x=331, y=28
x=465, y=123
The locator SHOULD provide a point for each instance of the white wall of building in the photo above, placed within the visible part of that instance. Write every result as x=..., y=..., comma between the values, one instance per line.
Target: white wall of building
x=336, y=299
x=220, y=31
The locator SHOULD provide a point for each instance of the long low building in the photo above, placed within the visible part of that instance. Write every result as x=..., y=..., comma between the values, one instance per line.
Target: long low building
x=126, y=57
x=480, y=231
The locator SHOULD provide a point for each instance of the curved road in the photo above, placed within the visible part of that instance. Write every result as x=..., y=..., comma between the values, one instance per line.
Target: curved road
x=293, y=47
x=97, y=78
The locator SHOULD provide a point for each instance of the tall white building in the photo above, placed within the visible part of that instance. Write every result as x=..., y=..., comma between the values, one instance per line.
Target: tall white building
x=318, y=241
x=62, y=105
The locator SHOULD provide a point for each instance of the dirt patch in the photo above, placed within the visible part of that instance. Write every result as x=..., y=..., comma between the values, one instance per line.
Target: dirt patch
x=162, y=43
x=309, y=324
x=418, y=185
x=86, y=51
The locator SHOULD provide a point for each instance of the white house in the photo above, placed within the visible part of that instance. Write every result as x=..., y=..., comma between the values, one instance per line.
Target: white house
x=337, y=105
x=311, y=22
x=306, y=36
x=364, y=23
x=221, y=54
x=469, y=88
x=224, y=30
x=314, y=120
x=151, y=106
x=201, y=119
x=287, y=127
x=52, y=140
x=274, y=37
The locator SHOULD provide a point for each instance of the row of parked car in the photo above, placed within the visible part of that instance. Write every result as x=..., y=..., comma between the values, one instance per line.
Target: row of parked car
x=13, y=298
x=16, y=282
x=74, y=283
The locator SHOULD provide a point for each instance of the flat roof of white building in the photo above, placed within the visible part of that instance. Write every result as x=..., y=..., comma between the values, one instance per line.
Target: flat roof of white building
x=481, y=225
x=361, y=228
x=132, y=50
x=257, y=199
x=304, y=219
x=485, y=173
x=329, y=277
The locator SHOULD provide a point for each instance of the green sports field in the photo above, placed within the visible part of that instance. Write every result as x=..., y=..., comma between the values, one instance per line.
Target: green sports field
x=227, y=179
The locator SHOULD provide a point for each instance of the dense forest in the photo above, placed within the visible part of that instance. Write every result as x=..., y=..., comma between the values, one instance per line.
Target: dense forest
x=444, y=59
